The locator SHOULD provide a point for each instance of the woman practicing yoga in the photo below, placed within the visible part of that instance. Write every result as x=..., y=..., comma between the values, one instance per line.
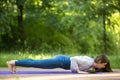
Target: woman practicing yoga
x=75, y=64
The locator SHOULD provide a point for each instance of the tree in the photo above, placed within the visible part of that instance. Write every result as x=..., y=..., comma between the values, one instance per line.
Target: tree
x=85, y=26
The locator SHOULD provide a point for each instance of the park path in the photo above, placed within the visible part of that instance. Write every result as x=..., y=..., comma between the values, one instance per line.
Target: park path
x=115, y=75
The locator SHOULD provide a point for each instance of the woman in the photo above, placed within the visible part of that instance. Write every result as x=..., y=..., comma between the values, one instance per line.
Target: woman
x=75, y=64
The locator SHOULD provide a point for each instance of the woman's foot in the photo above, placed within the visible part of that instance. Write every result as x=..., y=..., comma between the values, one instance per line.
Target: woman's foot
x=11, y=66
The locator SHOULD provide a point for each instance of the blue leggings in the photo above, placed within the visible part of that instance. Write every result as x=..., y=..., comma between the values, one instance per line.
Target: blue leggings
x=59, y=61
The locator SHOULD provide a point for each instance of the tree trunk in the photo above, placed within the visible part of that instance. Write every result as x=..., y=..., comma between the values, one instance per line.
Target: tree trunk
x=104, y=26
x=20, y=25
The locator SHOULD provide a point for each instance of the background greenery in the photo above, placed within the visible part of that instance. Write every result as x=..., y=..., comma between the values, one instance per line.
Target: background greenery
x=60, y=26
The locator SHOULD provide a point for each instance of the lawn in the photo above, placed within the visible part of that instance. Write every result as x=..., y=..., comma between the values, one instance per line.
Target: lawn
x=5, y=56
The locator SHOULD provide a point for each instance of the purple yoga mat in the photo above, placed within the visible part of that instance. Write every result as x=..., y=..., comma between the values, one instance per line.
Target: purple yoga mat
x=41, y=72
x=37, y=72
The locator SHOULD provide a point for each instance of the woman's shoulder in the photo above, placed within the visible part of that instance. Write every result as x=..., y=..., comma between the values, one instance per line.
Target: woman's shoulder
x=82, y=57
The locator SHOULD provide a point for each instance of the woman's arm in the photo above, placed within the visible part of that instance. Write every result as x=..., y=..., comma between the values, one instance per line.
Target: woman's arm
x=74, y=65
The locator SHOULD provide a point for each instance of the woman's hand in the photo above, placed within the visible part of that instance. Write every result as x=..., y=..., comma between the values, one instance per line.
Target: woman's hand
x=81, y=72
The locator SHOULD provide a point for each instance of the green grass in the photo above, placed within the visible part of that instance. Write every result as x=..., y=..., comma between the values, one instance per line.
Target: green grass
x=5, y=56
x=115, y=61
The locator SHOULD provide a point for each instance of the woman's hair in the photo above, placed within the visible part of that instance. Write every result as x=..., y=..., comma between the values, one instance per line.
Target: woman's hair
x=103, y=59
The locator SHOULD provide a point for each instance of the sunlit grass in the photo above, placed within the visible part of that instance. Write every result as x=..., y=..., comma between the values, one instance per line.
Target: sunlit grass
x=114, y=59
x=19, y=55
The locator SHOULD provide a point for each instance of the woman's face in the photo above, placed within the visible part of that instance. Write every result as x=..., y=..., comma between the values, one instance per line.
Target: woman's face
x=100, y=65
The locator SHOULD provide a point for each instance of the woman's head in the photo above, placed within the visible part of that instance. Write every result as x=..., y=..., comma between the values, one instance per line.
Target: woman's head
x=102, y=64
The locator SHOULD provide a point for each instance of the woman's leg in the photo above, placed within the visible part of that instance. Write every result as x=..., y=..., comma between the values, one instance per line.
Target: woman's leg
x=59, y=61
x=45, y=64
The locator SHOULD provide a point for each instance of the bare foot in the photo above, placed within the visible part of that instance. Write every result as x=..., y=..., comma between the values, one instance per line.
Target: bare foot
x=11, y=66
